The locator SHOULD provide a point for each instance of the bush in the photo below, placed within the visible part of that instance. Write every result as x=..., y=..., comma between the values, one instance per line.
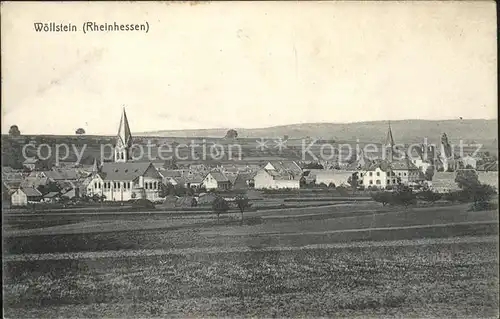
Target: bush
x=404, y=196
x=479, y=206
x=219, y=205
x=429, y=196
x=143, y=203
x=382, y=197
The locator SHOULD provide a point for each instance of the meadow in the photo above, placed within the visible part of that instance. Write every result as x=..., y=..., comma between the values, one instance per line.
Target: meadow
x=352, y=260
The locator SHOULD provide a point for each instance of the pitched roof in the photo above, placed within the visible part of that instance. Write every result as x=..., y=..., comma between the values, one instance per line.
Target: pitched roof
x=282, y=175
x=12, y=185
x=62, y=174
x=241, y=180
x=404, y=164
x=31, y=192
x=170, y=173
x=384, y=165
x=219, y=177
x=289, y=166
x=195, y=178
x=31, y=160
x=66, y=184
x=123, y=171
x=51, y=194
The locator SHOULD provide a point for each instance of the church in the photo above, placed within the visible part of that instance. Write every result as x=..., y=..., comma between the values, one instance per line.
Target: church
x=124, y=178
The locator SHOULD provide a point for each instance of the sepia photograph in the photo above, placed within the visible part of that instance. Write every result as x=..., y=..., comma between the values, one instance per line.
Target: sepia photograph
x=249, y=159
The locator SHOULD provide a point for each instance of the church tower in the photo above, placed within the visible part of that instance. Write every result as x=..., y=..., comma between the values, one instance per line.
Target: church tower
x=389, y=145
x=123, y=140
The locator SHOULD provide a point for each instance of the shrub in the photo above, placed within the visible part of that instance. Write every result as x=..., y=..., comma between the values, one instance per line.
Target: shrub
x=429, y=196
x=382, y=197
x=143, y=203
x=219, y=206
x=479, y=206
x=404, y=196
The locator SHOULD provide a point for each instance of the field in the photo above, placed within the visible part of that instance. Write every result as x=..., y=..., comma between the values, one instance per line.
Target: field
x=352, y=260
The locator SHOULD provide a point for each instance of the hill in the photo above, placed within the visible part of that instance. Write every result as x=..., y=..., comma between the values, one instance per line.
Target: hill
x=405, y=131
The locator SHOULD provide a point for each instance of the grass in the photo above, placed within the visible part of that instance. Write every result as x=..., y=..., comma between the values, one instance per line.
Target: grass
x=451, y=280
x=337, y=261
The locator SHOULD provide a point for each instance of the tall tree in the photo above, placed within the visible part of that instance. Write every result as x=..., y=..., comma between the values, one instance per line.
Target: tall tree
x=80, y=131
x=14, y=131
x=219, y=206
x=467, y=179
x=243, y=203
x=231, y=134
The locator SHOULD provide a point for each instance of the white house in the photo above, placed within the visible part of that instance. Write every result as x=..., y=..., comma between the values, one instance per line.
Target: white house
x=379, y=176
x=266, y=178
x=23, y=196
x=336, y=177
x=216, y=180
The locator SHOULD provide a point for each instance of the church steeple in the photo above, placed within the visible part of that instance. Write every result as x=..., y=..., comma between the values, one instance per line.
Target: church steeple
x=389, y=144
x=123, y=140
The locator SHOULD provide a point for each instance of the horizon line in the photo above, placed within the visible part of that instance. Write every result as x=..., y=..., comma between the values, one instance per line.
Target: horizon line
x=141, y=133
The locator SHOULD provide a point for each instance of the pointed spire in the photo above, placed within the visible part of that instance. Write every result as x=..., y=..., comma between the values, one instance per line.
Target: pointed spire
x=389, y=140
x=124, y=130
x=95, y=166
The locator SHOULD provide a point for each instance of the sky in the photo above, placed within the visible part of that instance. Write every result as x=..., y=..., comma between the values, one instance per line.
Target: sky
x=246, y=64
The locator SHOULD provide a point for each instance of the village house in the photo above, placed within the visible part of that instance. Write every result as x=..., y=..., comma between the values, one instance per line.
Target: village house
x=273, y=179
x=124, y=179
x=216, y=180
x=23, y=196
x=407, y=172
x=379, y=175
x=278, y=174
x=333, y=177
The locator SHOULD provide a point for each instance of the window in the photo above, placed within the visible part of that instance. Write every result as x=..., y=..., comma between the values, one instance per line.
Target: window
x=388, y=181
x=378, y=173
x=361, y=174
x=371, y=182
x=146, y=185
x=404, y=174
x=371, y=173
x=394, y=181
x=399, y=174
x=95, y=184
x=114, y=184
x=378, y=181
